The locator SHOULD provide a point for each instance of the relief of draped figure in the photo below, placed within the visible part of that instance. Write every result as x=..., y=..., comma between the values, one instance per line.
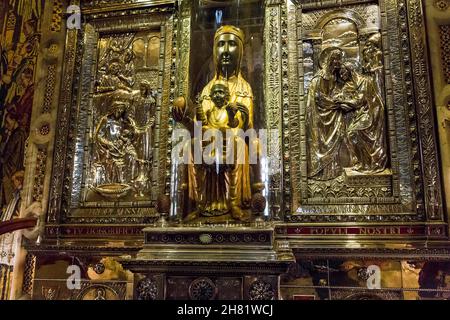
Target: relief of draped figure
x=345, y=111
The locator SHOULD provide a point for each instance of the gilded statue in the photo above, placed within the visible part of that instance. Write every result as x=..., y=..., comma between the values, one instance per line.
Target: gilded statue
x=225, y=103
x=344, y=112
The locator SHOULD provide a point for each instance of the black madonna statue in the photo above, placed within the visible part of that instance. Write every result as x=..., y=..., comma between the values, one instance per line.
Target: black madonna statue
x=219, y=191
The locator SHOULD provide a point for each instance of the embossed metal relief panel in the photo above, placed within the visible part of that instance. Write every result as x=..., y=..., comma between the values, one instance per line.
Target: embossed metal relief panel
x=355, y=123
x=117, y=131
x=120, y=141
x=201, y=68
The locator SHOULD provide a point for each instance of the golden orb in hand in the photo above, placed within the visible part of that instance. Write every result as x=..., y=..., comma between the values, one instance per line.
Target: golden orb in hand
x=179, y=108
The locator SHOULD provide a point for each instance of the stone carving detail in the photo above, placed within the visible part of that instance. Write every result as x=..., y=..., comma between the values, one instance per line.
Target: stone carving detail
x=261, y=290
x=147, y=289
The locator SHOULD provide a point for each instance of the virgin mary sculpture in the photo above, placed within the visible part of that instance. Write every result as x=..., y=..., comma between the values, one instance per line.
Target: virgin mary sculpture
x=225, y=104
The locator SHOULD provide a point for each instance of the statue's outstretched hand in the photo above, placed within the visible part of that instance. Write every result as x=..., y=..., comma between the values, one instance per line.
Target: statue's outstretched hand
x=232, y=109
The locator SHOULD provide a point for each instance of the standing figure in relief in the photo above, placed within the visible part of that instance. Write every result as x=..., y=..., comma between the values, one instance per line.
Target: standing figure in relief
x=366, y=130
x=373, y=61
x=326, y=126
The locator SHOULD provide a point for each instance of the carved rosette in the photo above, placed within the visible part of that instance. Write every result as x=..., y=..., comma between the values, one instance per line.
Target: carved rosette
x=147, y=290
x=261, y=290
x=99, y=268
x=202, y=289
x=442, y=4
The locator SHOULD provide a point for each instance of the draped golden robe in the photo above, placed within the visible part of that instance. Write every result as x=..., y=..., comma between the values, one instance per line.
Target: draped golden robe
x=366, y=132
x=326, y=129
x=215, y=189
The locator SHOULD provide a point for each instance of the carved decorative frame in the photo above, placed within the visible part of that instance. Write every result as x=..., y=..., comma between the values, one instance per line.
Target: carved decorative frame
x=276, y=96
x=417, y=192
x=66, y=204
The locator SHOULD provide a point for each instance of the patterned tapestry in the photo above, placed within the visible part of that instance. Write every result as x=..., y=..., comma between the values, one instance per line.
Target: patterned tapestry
x=19, y=46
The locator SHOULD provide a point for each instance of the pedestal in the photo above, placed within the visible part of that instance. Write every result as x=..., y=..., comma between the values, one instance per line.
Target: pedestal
x=209, y=263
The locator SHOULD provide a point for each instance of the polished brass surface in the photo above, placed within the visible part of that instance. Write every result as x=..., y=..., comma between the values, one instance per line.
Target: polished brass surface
x=360, y=196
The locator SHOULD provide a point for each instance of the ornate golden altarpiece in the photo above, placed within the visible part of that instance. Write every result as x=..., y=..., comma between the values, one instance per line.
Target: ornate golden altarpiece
x=152, y=52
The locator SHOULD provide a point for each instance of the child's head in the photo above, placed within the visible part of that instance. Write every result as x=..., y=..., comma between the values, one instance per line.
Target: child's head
x=346, y=72
x=220, y=94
